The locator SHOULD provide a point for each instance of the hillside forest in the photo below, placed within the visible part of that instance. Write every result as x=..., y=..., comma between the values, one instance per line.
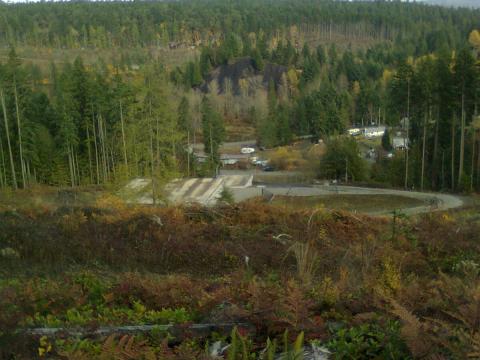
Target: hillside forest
x=119, y=241
x=315, y=68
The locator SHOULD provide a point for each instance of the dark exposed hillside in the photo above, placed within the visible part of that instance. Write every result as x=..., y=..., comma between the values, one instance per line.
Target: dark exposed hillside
x=243, y=69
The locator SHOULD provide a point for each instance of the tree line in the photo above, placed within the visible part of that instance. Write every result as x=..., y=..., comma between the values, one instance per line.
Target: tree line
x=93, y=127
x=119, y=24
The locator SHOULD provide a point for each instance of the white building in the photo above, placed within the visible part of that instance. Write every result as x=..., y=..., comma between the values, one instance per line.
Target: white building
x=374, y=131
x=225, y=159
x=400, y=143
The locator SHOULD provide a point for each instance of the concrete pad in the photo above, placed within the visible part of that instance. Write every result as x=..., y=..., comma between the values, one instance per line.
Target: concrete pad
x=203, y=191
x=237, y=181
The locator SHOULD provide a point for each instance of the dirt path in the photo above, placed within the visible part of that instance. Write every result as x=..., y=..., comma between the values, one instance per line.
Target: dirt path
x=431, y=201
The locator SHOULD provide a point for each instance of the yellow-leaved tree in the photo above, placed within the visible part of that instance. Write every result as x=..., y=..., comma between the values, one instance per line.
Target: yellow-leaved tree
x=474, y=40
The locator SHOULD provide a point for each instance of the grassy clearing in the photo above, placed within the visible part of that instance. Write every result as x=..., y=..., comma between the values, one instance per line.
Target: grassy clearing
x=237, y=130
x=365, y=144
x=354, y=203
x=48, y=198
x=43, y=57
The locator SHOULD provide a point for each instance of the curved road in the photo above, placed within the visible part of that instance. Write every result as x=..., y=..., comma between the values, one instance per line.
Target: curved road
x=432, y=201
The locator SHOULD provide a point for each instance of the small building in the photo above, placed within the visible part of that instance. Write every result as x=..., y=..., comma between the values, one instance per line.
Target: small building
x=400, y=143
x=225, y=159
x=374, y=131
x=405, y=123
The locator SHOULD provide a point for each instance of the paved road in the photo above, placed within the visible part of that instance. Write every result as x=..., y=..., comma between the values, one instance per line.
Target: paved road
x=432, y=201
x=229, y=145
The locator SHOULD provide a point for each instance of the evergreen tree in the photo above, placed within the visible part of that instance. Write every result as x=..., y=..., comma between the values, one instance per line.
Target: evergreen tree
x=258, y=63
x=342, y=160
x=386, y=143
x=213, y=132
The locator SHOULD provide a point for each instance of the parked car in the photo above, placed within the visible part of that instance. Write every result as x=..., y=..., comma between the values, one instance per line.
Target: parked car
x=261, y=163
x=268, y=168
x=247, y=150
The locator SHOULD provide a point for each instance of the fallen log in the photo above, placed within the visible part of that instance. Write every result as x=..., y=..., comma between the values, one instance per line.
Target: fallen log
x=176, y=331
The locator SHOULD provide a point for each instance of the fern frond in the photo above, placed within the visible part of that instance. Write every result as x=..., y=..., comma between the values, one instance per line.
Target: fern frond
x=412, y=330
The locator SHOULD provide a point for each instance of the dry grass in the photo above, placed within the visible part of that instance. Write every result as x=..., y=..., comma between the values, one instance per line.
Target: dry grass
x=43, y=57
x=354, y=203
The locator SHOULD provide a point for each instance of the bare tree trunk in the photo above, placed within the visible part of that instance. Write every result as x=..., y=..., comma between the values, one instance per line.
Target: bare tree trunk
x=478, y=164
x=135, y=156
x=101, y=130
x=112, y=159
x=188, y=153
x=443, y=169
x=453, y=151
x=474, y=131
x=423, y=149
x=70, y=165
x=157, y=141
x=123, y=139
x=74, y=166
x=435, y=153
x=29, y=174
x=211, y=143
x=407, y=145
x=194, y=143
x=462, y=141
x=3, y=179
x=19, y=128
x=77, y=167
x=152, y=166
x=90, y=171
x=12, y=164
x=96, y=148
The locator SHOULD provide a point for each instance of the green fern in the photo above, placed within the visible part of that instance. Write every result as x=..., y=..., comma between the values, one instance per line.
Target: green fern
x=270, y=350
x=232, y=350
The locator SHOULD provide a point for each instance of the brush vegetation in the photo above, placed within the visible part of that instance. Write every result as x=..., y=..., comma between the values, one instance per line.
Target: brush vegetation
x=410, y=287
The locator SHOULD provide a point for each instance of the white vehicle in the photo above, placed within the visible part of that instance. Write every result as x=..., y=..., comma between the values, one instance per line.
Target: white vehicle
x=261, y=162
x=247, y=150
x=354, y=131
x=253, y=159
